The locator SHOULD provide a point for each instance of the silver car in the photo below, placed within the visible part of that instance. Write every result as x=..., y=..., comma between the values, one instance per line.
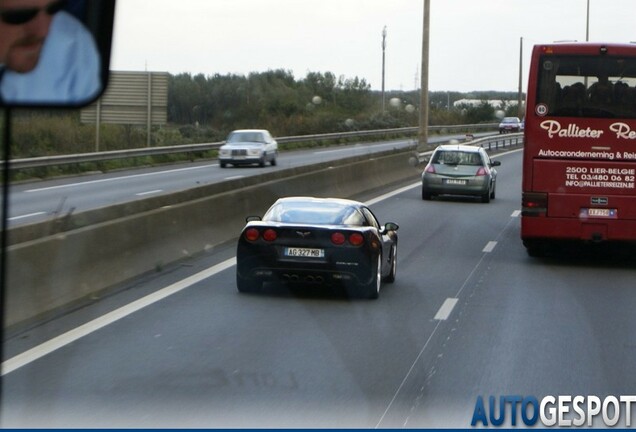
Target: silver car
x=248, y=147
x=510, y=124
x=460, y=170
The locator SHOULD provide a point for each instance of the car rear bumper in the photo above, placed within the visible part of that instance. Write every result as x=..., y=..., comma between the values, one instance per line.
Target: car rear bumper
x=595, y=230
x=242, y=161
x=264, y=268
x=437, y=187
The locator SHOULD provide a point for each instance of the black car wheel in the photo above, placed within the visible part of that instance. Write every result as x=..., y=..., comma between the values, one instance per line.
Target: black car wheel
x=426, y=196
x=536, y=248
x=390, y=277
x=372, y=290
x=248, y=285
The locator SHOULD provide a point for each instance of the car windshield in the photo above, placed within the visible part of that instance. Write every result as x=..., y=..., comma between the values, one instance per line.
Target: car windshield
x=510, y=120
x=243, y=137
x=314, y=213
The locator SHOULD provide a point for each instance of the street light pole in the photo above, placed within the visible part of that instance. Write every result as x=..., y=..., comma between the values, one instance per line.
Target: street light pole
x=519, y=98
x=423, y=132
x=383, y=62
x=587, y=23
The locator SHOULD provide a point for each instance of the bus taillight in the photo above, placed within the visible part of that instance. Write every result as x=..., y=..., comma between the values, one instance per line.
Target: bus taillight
x=534, y=203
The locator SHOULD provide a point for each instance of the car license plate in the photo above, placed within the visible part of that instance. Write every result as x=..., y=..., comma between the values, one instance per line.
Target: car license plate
x=599, y=212
x=455, y=181
x=305, y=252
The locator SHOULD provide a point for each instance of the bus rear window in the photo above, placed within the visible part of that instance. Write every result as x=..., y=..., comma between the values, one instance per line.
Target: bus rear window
x=586, y=86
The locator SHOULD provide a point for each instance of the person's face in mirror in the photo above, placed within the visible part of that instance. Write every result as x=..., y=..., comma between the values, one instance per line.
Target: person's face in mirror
x=49, y=56
x=24, y=25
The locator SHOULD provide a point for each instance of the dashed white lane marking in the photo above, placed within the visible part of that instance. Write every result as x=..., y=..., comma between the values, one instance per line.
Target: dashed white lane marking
x=444, y=312
x=489, y=247
x=90, y=182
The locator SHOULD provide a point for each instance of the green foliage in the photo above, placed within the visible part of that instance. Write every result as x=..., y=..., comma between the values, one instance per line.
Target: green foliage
x=206, y=108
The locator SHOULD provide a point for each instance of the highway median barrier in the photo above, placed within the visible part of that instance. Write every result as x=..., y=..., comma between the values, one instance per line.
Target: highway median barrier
x=71, y=259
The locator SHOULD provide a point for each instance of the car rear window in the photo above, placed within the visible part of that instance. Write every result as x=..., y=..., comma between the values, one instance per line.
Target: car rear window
x=315, y=213
x=457, y=158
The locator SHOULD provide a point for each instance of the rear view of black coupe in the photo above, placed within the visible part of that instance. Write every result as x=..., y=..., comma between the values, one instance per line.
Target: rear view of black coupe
x=309, y=241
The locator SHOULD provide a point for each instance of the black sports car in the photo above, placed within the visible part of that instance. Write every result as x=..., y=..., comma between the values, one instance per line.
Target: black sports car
x=317, y=241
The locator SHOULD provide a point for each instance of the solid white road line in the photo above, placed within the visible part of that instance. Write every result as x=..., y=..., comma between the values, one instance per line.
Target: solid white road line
x=27, y=216
x=150, y=192
x=49, y=346
x=390, y=194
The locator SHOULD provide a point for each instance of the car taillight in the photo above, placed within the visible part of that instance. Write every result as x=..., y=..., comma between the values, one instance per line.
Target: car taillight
x=534, y=204
x=481, y=171
x=252, y=234
x=269, y=235
x=430, y=169
x=337, y=238
x=356, y=239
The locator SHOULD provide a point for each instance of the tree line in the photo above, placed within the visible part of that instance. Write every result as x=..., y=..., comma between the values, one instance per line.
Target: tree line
x=206, y=108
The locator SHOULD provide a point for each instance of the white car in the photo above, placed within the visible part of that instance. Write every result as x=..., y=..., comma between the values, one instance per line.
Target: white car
x=247, y=147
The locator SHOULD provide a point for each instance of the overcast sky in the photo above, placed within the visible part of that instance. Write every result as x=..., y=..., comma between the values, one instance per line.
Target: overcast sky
x=474, y=44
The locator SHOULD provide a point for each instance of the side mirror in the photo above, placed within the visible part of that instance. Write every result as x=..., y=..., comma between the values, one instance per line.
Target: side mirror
x=71, y=64
x=390, y=226
x=495, y=163
x=252, y=218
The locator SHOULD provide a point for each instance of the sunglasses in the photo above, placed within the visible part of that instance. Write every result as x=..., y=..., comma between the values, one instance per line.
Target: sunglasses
x=23, y=16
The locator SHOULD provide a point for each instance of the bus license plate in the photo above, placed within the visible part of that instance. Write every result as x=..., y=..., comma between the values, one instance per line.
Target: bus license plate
x=600, y=213
x=455, y=182
x=305, y=252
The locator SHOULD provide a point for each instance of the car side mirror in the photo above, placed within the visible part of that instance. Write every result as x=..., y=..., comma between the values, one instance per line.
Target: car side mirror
x=390, y=226
x=62, y=74
x=495, y=163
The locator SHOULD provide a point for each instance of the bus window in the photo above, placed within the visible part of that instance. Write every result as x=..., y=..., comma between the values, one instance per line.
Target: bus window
x=580, y=86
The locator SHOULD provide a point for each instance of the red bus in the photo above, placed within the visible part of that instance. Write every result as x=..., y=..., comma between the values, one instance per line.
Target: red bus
x=579, y=162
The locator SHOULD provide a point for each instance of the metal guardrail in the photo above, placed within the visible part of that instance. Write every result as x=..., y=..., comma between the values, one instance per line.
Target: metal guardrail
x=46, y=161
x=490, y=143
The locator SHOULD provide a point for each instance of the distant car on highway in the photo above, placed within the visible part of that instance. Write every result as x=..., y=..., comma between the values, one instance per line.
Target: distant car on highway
x=322, y=242
x=248, y=147
x=460, y=170
x=510, y=124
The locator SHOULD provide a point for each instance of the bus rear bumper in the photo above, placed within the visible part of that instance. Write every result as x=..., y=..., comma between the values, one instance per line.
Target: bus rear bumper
x=574, y=229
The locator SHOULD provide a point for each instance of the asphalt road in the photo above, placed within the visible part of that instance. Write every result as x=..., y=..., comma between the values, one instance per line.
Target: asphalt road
x=38, y=201
x=469, y=315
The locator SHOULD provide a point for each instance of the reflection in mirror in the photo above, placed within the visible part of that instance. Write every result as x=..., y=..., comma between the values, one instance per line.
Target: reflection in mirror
x=54, y=52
